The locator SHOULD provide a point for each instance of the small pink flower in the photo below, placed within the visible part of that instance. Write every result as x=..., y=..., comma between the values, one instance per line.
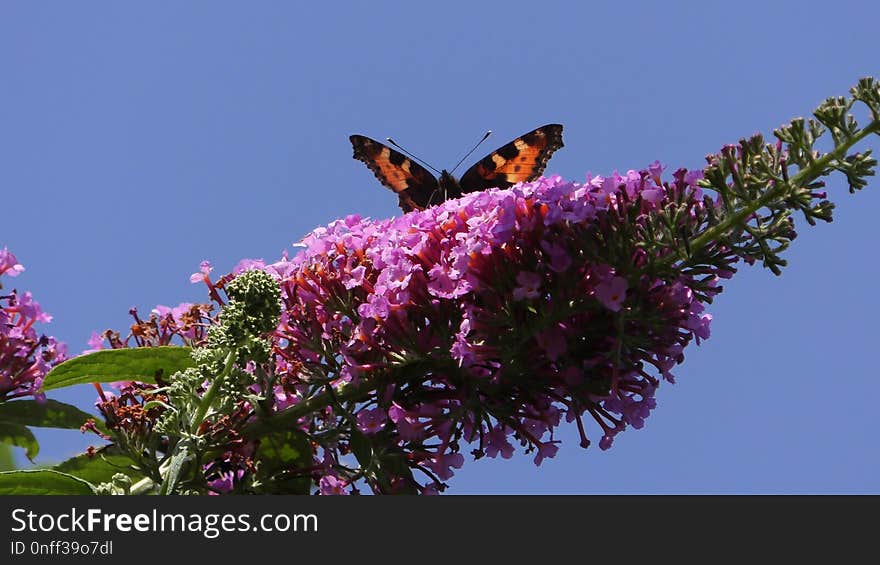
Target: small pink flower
x=9, y=265
x=205, y=269
x=653, y=195
x=96, y=342
x=330, y=485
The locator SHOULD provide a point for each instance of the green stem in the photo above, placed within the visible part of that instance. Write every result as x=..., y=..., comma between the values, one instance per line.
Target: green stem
x=163, y=473
x=174, y=465
x=211, y=394
x=290, y=415
x=804, y=176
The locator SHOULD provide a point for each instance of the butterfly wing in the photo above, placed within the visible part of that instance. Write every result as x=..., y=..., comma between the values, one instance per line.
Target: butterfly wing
x=521, y=160
x=413, y=184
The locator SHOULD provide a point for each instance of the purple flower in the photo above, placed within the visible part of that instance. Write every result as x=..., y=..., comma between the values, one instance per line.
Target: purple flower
x=461, y=350
x=560, y=260
x=612, y=292
x=656, y=169
x=377, y=308
x=176, y=312
x=407, y=423
x=442, y=465
x=699, y=324
x=205, y=269
x=441, y=282
x=225, y=481
x=25, y=355
x=355, y=277
x=9, y=265
x=528, y=285
x=331, y=485
x=96, y=342
x=480, y=321
x=496, y=443
x=546, y=450
x=30, y=308
x=653, y=195
x=553, y=342
x=245, y=265
x=371, y=421
x=607, y=188
x=431, y=298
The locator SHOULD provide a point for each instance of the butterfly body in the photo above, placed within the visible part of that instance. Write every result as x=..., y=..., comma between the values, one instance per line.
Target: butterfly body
x=521, y=160
x=449, y=186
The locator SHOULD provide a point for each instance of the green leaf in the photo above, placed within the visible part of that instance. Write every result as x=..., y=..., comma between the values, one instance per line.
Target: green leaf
x=48, y=414
x=100, y=467
x=42, y=481
x=384, y=467
x=280, y=457
x=109, y=365
x=394, y=465
x=182, y=451
x=7, y=463
x=361, y=447
x=19, y=436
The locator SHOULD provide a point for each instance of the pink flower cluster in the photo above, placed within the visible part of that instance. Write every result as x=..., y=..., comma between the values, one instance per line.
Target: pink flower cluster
x=488, y=321
x=25, y=356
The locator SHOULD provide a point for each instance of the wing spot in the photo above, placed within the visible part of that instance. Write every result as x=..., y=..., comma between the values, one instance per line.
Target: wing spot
x=509, y=151
x=396, y=159
x=498, y=160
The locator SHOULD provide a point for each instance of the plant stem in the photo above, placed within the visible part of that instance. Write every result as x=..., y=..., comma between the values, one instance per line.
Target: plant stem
x=805, y=175
x=211, y=394
x=290, y=415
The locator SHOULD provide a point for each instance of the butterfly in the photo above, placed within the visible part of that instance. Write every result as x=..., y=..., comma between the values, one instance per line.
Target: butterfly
x=521, y=160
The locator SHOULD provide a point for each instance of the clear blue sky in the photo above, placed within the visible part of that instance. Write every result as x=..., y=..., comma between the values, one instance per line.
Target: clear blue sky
x=137, y=139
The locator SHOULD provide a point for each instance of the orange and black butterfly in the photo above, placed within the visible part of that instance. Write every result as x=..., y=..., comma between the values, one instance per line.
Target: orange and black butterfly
x=523, y=159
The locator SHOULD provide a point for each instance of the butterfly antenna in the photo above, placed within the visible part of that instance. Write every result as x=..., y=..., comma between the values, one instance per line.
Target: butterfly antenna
x=485, y=137
x=394, y=143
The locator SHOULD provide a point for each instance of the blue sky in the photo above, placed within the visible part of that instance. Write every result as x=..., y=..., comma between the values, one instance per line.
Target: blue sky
x=139, y=139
